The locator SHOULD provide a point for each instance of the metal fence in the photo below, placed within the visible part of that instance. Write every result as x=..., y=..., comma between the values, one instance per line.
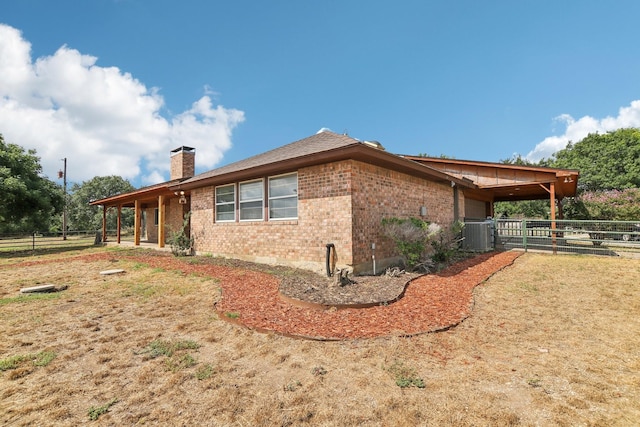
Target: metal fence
x=46, y=241
x=589, y=237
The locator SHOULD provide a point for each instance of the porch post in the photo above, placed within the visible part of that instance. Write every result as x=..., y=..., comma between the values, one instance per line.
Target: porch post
x=560, y=212
x=119, y=226
x=552, y=188
x=104, y=223
x=137, y=221
x=161, y=221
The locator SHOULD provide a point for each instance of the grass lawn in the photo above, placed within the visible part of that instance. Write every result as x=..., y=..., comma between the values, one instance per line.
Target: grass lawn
x=552, y=340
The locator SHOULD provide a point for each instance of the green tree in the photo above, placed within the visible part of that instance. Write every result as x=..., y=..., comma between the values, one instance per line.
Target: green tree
x=522, y=209
x=616, y=205
x=82, y=216
x=28, y=201
x=609, y=161
x=517, y=159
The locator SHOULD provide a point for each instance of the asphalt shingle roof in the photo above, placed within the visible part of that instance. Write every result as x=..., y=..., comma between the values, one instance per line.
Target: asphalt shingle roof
x=315, y=144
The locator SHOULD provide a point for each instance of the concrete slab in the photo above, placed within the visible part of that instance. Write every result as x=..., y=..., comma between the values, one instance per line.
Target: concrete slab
x=109, y=272
x=40, y=288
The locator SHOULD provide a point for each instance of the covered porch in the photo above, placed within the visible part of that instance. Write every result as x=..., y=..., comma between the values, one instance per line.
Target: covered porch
x=158, y=210
x=503, y=182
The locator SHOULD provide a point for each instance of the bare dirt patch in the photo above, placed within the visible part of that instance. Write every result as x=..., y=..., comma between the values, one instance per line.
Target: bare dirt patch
x=550, y=341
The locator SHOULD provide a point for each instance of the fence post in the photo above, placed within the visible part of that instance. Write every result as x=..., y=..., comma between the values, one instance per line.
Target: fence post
x=33, y=241
x=523, y=228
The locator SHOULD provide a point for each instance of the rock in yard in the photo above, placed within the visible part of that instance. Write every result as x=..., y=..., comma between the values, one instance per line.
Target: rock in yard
x=40, y=288
x=109, y=272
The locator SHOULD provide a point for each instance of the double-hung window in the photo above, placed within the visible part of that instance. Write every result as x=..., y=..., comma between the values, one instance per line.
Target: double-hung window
x=226, y=203
x=283, y=197
x=251, y=201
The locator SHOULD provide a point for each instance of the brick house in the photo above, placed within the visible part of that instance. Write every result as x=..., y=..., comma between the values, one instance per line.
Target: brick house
x=286, y=205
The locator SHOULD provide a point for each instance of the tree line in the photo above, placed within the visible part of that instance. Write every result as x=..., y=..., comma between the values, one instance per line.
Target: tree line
x=30, y=201
x=608, y=188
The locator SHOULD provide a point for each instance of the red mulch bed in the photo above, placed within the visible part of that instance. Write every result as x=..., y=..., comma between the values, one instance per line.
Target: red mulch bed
x=251, y=298
x=430, y=303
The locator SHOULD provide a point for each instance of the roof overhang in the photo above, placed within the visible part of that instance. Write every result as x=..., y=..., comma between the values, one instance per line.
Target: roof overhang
x=145, y=195
x=357, y=151
x=498, y=182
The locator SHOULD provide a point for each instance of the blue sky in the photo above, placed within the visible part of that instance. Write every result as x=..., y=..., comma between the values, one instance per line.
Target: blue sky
x=114, y=85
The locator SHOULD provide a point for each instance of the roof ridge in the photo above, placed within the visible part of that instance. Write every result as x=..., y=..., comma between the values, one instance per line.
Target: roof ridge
x=314, y=144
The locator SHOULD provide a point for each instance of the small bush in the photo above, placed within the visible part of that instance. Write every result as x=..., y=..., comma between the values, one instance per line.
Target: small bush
x=412, y=237
x=446, y=242
x=181, y=244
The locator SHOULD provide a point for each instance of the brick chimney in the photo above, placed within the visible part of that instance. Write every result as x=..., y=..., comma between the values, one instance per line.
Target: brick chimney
x=183, y=162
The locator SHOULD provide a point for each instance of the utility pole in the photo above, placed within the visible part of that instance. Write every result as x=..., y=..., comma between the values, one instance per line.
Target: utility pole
x=63, y=174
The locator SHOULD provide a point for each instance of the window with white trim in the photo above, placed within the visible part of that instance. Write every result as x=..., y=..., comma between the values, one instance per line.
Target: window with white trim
x=283, y=197
x=226, y=203
x=251, y=201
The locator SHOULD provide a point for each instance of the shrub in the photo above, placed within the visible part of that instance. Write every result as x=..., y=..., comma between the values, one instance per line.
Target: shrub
x=181, y=244
x=411, y=237
x=446, y=242
x=420, y=243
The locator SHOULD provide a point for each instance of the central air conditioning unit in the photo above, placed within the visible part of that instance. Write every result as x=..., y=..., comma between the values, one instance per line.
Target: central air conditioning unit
x=478, y=236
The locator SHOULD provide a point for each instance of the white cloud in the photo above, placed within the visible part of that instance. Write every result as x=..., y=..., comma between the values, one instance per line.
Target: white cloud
x=102, y=119
x=576, y=130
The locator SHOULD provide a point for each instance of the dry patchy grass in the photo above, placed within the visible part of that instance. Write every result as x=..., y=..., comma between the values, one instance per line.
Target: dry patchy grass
x=553, y=340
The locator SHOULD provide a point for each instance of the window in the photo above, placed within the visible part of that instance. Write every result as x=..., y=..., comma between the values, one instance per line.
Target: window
x=251, y=195
x=283, y=197
x=156, y=216
x=226, y=203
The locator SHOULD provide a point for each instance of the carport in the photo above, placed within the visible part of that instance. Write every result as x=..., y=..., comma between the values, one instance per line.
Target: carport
x=503, y=182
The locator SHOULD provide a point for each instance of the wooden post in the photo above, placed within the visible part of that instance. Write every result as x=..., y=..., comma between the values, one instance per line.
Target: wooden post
x=119, y=226
x=137, y=222
x=552, y=192
x=161, y=232
x=104, y=223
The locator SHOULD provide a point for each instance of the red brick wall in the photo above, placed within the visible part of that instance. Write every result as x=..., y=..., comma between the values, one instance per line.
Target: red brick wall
x=174, y=214
x=324, y=216
x=382, y=193
x=328, y=197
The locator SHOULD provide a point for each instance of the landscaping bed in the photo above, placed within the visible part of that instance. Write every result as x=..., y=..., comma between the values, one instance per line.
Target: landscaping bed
x=430, y=303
